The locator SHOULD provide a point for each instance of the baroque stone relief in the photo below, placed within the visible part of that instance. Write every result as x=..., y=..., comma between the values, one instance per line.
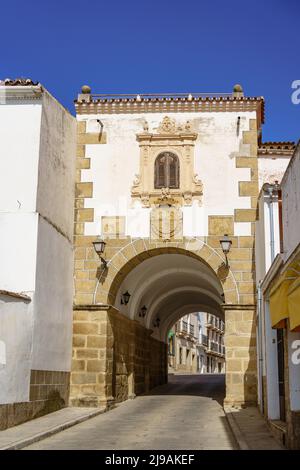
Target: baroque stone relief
x=178, y=139
x=166, y=223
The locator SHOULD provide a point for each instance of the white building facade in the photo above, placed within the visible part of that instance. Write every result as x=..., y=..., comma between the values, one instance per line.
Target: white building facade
x=37, y=153
x=278, y=318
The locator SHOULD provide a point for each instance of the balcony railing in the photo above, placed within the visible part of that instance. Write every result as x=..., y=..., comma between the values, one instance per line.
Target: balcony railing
x=213, y=346
x=215, y=322
x=184, y=326
x=187, y=328
x=216, y=347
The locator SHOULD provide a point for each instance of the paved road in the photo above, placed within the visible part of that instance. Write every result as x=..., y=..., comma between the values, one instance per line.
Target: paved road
x=184, y=414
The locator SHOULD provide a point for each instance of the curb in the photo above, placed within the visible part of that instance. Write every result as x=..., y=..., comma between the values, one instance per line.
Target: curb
x=235, y=429
x=17, y=445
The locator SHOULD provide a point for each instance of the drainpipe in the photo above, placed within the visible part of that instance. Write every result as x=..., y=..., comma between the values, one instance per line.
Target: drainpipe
x=260, y=346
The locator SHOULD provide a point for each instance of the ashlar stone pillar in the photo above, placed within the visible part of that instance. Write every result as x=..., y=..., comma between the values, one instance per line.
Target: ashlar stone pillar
x=92, y=365
x=240, y=350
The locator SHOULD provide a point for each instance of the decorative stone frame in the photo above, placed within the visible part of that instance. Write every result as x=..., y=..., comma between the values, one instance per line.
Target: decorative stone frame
x=169, y=138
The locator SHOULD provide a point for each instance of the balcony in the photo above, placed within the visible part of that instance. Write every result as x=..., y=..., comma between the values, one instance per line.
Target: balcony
x=184, y=326
x=186, y=329
x=213, y=346
x=216, y=348
x=203, y=340
x=215, y=323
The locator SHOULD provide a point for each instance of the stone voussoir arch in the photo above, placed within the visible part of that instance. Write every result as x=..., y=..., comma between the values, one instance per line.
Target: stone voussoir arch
x=141, y=249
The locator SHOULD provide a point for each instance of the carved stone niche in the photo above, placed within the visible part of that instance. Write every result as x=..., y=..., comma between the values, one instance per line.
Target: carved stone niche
x=170, y=137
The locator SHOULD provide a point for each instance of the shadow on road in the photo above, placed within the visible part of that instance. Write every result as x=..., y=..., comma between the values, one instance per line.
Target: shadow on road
x=200, y=385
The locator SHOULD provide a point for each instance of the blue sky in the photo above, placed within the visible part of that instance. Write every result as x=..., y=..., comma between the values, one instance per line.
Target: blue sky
x=159, y=46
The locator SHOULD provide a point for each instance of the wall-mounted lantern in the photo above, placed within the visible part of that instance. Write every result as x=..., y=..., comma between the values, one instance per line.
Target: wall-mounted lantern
x=125, y=298
x=156, y=323
x=99, y=247
x=226, y=245
x=143, y=311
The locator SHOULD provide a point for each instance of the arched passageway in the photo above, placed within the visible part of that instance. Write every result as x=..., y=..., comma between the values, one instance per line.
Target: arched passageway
x=137, y=299
x=169, y=286
x=162, y=289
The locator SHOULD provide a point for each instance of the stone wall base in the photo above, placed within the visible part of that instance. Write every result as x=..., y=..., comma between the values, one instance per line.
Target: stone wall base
x=49, y=391
x=114, y=358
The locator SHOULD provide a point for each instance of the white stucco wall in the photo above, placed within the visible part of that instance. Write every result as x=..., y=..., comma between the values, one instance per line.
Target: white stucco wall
x=271, y=360
x=271, y=169
x=19, y=155
x=18, y=238
x=52, y=332
x=37, y=156
x=16, y=320
x=266, y=365
x=260, y=241
x=263, y=259
x=291, y=204
x=216, y=147
x=56, y=172
x=54, y=268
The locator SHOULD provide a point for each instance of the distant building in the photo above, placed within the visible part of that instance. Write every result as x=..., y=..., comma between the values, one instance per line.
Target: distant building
x=215, y=349
x=196, y=344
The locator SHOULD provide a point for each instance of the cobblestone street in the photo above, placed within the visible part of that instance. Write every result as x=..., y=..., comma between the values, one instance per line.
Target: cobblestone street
x=185, y=414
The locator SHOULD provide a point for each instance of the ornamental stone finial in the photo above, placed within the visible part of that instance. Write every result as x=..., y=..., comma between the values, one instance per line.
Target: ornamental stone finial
x=238, y=91
x=238, y=88
x=85, y=89
x=85, y=95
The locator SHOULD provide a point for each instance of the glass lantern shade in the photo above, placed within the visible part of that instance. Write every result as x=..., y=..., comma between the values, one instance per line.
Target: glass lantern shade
x=225, y=244
x=99, y=246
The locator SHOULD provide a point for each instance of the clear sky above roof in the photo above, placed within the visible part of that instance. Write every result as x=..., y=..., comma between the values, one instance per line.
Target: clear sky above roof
x=159, y=46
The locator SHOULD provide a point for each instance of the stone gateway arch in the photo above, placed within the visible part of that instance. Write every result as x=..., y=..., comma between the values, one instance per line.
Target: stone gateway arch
x=163, y=257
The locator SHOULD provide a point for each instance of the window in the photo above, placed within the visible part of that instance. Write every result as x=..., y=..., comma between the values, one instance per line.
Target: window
x=187, y=356
x=166, y=171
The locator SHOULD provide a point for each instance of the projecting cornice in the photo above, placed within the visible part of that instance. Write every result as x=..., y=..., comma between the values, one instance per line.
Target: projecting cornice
x=117, y=104
x=19, y=89
x=19, y=93
x=272, y=149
